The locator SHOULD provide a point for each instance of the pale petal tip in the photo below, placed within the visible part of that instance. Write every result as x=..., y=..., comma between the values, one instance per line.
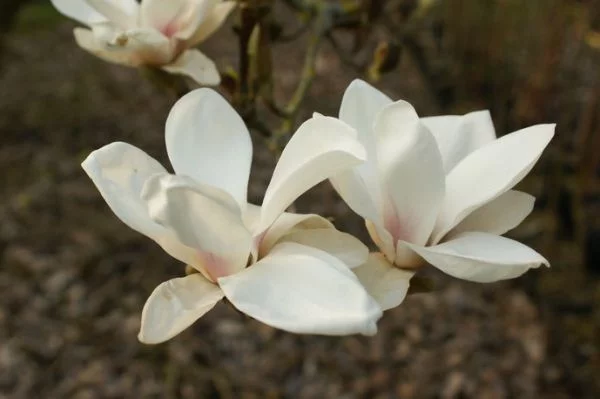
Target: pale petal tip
x=358, y=83
x=480, y=112
x=371, y=329
x=147, y=338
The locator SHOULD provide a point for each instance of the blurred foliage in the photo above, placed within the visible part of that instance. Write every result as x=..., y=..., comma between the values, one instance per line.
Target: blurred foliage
x=36, y=16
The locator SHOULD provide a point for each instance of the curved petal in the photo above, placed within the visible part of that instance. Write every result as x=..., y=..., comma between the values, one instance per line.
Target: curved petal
x=175, y=18
x=203, y=218
x=408, y=157
x=387, y=284
x=197, y=66
x=121, y=13
x=488, y=172
x=363, y=197
x=213, y=20
x=79, y=10
x=382, y=238
x=481, y=257
x=289, y=222
x=132, y=48
x=343, y=246
x=303, y=290
x=174, y=305
x=208, y=141
x=322, y=147
x=360, y=106
x=458, y=136
x=119, y=171
x=87, y=41
x=499, y=215
x=359, y=187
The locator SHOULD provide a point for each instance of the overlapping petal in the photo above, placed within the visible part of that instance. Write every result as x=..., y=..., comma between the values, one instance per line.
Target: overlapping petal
x=214, y=18
x=197, y=66
x=359, y=187
x=497, y=216
x=175, y=18
x=208, y=141
x=286, y=223
x=489, y=172
x=202, y=217
x=480, y=257
x=303, y=290
x=320, y=148
x=411, y=173
x=174, y=305
x=382, y=238
x=88, y=12
x=120, y=171
x=387, y=284
x=121, y=13
x=360, y=106
x=343, y=246
x=87, y=41
x=458, y=136
x=79, y=10
x=132, y=48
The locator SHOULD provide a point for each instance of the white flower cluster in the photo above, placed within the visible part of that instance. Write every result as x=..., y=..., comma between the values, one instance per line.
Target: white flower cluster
x=431, y=190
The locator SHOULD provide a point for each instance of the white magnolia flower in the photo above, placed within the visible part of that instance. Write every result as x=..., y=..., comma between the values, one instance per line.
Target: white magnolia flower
x=438, y=191
x=287, y=270
x=158, y=33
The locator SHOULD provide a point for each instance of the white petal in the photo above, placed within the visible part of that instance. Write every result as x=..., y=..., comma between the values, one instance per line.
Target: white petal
x=213, y=20
x=174, y=305
x=499, y=215
x=387, y=284
x=79, y=10
x=411, y=173
x=360, y=105
x=132, y=48
x=382, y=238
x=488, y=172
x=122, y=13
x=458, y=136
x=359, y=187
x=202, y=217
x=481, y=257
x=343, y=246
x=303, y=290
x=322, y=147
x=197, y=66
x=119, y=171
x=208, y=141
x=362, y=196
x=175, y=18
x=87, y=41
x=289, y=222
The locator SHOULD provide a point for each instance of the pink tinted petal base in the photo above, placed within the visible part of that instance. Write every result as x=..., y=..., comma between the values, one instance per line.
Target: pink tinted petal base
x=214, y=266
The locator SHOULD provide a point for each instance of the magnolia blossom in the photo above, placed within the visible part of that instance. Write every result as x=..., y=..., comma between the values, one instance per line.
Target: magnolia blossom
x=287, y=270
x=158, y=33
x=437, y=190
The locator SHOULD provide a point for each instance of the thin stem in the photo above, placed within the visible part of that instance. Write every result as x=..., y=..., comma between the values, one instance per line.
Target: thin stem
x=290, y=111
